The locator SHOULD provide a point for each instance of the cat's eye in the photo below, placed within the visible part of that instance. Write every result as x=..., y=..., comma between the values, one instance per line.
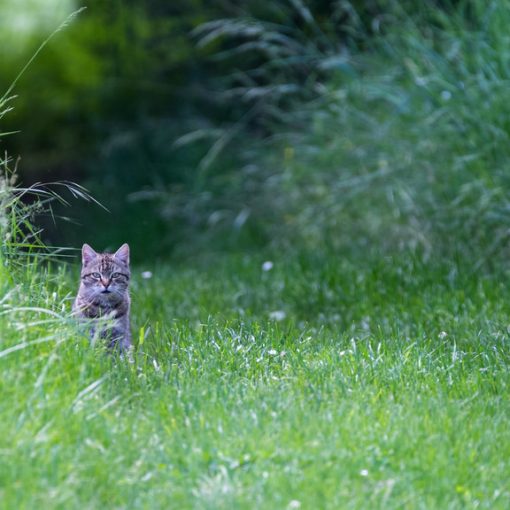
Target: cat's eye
x=116, y=275
x=96, y=275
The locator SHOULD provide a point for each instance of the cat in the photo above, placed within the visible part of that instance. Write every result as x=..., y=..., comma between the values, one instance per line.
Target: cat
x=104, y=293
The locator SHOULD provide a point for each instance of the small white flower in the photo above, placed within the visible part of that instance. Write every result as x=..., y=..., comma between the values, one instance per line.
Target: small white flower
x=294, y=504
x=277, y=315
x=146, y=275
x=443, y=335
x=446, y=95
x=364, y=472
x=267, y=265
x=273, y=352
x=147, y=476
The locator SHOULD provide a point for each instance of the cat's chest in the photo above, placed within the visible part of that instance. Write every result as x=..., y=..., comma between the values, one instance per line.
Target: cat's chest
x=96, y=309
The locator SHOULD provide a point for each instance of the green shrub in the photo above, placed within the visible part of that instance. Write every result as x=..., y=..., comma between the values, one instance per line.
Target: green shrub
x=404, y=146
x=412, y=152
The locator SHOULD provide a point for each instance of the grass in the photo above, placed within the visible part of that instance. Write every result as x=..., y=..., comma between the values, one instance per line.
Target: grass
x=384, y=386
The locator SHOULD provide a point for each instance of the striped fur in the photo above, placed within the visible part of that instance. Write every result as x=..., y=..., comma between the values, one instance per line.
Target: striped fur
x=104, y=294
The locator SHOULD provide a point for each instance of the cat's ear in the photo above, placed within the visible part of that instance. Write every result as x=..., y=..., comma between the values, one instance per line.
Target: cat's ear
x=87, y=254
x=122, y=254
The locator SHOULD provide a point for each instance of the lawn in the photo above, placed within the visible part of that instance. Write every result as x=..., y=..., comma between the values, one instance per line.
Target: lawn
x=322, y=382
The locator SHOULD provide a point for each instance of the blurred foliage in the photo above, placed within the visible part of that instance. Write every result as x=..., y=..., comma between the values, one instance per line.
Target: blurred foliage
x=106, y=100
x=213, y=125
x=126, y=61
x=118, y=62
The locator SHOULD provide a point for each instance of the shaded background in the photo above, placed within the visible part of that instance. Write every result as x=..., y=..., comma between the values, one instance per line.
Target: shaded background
x=202, y=126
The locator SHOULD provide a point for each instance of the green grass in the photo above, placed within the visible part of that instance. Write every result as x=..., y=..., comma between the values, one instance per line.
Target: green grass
x=384, y=386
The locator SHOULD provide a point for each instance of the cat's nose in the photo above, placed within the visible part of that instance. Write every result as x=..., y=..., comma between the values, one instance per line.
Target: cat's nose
x=105, y=283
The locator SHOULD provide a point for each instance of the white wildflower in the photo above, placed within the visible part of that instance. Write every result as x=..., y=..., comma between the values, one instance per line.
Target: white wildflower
x=267, y=265
x=277, y=315
x=446, y=95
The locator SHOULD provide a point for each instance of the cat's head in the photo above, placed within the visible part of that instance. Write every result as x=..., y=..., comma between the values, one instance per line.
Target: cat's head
x=105, y=276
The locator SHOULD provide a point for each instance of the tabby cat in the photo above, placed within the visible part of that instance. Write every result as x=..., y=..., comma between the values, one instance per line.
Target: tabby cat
x=104, y=293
